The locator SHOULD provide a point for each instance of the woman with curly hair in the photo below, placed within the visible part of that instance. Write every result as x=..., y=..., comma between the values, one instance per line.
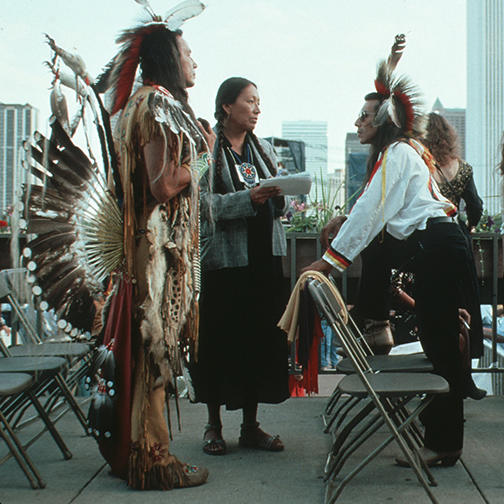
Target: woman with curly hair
x=455, y=180
x=454, y=175
x=242, y=357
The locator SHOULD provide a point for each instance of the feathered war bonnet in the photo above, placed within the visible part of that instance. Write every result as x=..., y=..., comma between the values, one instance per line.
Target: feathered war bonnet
x=119, y=75
x=401, y=103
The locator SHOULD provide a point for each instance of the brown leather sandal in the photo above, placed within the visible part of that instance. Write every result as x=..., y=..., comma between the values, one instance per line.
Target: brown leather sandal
x=216, y=446
x=252, y=436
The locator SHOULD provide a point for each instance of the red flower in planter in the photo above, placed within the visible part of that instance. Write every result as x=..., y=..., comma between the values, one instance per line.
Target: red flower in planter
x=3, y=223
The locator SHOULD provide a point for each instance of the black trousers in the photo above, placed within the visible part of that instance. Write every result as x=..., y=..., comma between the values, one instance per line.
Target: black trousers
x=378, y=259
x=443, y=283
x=374, y=297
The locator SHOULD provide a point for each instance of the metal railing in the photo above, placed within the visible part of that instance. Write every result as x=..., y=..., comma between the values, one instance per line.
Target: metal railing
x=304, y=248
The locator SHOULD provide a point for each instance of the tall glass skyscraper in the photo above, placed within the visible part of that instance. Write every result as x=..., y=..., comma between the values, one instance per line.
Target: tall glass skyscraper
x=485, y=96
x=17, y=123
x=314, y=135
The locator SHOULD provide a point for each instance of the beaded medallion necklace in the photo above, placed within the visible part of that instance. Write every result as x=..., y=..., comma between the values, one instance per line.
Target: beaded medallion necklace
x=246, y=171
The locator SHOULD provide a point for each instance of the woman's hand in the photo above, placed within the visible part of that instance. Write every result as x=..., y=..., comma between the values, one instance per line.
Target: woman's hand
x=330, y=230
x=208, y=133
x=259, y=195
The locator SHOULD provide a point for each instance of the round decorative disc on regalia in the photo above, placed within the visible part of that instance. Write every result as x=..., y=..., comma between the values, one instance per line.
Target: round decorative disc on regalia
x=249, y=174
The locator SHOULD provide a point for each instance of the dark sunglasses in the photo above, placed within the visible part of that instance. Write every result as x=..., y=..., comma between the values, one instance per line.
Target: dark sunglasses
x=363, y=115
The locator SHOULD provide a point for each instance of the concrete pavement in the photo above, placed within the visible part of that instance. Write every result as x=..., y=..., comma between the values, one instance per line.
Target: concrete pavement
x=246, y=476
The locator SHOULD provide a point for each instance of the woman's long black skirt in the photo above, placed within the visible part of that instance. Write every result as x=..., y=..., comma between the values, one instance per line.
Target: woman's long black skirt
x=242, y=355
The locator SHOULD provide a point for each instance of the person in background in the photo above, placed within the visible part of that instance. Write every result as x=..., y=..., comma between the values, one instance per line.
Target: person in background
x=5, y=332
x=328, y=348
x=455, y=180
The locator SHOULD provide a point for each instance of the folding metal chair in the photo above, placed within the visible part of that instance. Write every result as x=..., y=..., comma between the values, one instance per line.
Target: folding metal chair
x=45, y=373
x=409, y=363
x=12, y=385
x=382, y=398
x=77, y=355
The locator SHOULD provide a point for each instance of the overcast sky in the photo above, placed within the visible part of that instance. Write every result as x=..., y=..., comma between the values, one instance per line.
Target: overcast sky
x=311, y=59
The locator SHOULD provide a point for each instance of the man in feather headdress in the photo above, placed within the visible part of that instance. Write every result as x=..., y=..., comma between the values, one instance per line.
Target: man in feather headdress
x=402, y=204
x=373, y=302
x=153, y=314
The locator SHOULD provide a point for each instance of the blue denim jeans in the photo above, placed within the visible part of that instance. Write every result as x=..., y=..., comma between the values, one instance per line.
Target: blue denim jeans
x=328, y=346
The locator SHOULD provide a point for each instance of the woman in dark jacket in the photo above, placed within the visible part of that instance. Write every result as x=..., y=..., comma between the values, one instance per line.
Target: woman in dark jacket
x=242, y=357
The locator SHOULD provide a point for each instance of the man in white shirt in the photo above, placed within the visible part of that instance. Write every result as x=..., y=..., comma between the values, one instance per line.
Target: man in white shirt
x=402, y=201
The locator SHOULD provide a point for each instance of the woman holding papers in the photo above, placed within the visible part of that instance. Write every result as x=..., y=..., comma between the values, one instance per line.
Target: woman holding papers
x=242, y=357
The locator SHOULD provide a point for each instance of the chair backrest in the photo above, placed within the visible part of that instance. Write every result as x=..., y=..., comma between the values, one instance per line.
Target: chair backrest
x=13, y=282
x=332, y=309
x=35, y=326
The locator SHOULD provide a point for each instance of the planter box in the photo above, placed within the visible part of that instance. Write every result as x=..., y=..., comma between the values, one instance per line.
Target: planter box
x=303, y=249
x=488, y=257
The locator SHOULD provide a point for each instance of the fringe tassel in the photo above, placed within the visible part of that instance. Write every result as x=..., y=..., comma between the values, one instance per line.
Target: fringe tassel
x=157, y=476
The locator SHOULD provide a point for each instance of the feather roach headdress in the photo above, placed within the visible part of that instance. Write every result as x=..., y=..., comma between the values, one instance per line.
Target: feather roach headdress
x=119, y=74
x=401, y=101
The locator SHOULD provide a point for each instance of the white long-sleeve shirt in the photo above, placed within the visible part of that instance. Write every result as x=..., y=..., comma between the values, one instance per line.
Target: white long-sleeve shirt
x=401, y=195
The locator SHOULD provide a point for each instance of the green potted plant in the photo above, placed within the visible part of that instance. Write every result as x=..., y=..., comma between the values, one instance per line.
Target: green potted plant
x=305, y=220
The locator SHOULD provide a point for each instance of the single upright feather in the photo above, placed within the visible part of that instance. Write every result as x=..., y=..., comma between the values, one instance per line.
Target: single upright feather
x=146, y=5
x=59, y=106
x=177, y=16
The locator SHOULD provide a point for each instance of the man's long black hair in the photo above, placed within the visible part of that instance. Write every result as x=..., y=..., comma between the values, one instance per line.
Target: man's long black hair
x=160, y=62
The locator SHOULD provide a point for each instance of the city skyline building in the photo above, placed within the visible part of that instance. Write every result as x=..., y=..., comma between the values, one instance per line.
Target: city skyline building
x=17, y=123
x=356, y=155
x=485, y=97
x=290, y=154
x=314, y=136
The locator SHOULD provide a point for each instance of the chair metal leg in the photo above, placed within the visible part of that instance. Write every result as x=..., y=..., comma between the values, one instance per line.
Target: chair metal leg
x=341, y=413
x=74, y=405
x=371, y=456
x=335, y=396
x=50, y=426
x=400, y=431
x=19, y=453
x=346, y=431
x=357, y=440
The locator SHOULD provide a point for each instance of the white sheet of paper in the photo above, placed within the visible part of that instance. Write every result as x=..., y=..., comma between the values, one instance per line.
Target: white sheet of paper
x=290, y=184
